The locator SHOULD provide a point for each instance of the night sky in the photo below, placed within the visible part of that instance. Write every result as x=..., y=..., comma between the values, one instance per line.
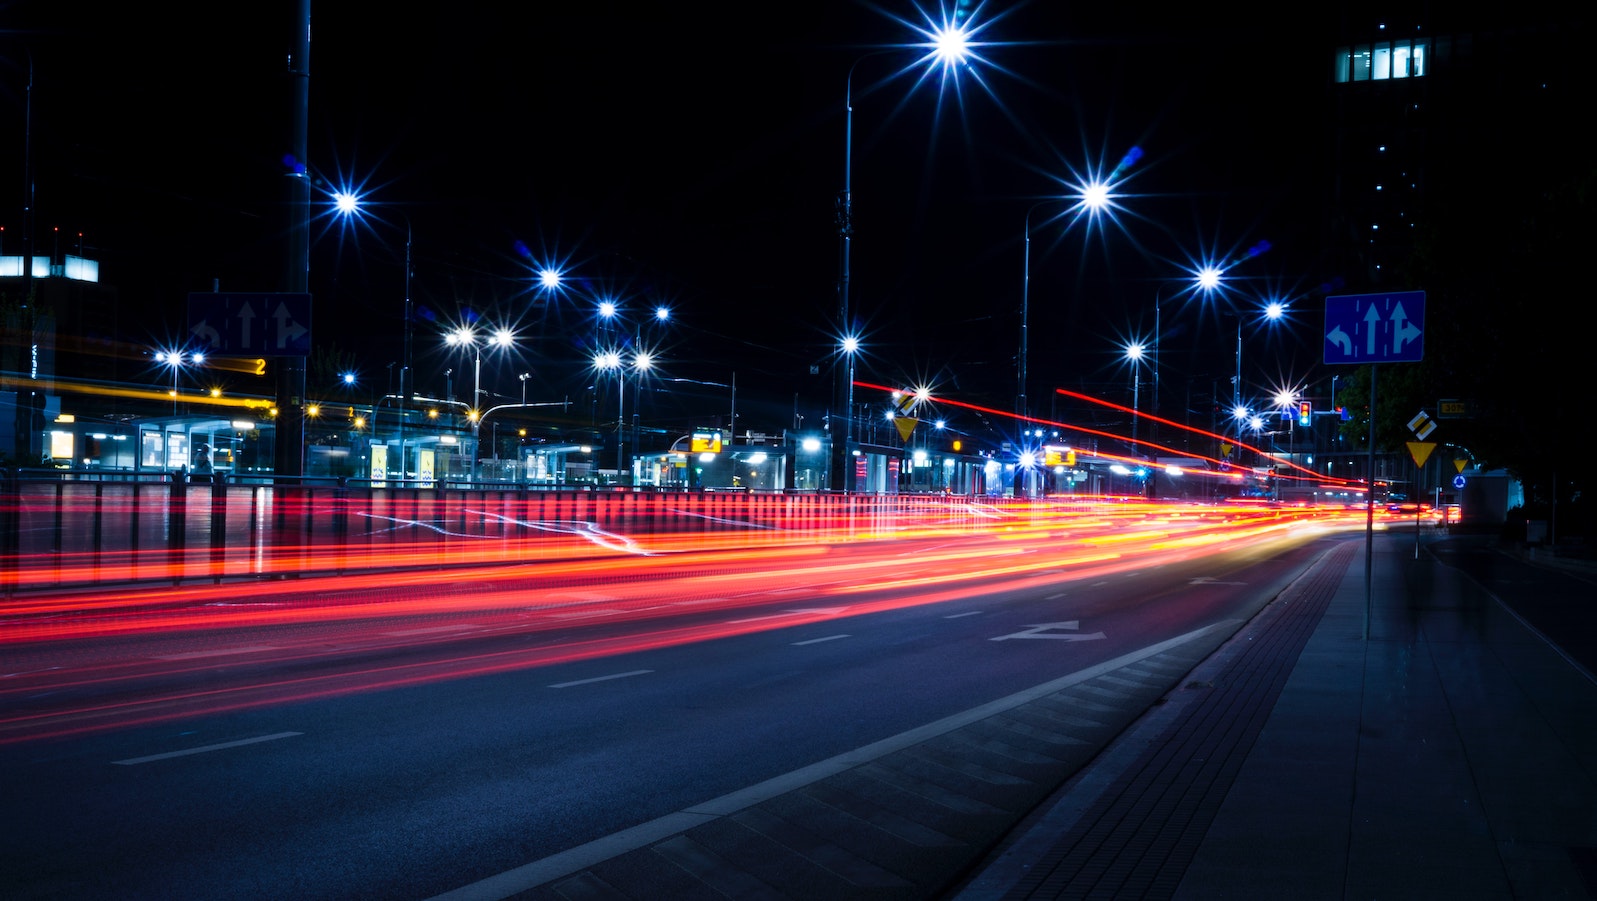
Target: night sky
x=692, y=156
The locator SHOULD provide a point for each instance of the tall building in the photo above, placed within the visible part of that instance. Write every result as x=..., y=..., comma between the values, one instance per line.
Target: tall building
x=1432, y=101
x=56, y=320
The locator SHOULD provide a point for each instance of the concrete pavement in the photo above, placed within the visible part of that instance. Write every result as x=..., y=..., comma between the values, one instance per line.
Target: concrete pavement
x=1451, y=755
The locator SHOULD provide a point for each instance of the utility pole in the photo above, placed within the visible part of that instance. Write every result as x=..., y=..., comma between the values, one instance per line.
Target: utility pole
x=289, y=457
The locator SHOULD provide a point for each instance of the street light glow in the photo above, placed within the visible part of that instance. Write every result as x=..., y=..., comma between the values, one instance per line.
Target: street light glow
x=950, y=45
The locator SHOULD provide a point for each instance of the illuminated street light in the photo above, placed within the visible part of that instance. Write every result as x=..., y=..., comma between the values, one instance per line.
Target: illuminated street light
x=1089, y=199
x=349, y=206
x=177, y=359
x=948, y=47
x=611, y=361
x=466, y=337
x=850, y=348
x=1134, y=353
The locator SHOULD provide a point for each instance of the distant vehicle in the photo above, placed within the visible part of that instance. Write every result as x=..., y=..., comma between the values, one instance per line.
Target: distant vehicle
x=1406, y=506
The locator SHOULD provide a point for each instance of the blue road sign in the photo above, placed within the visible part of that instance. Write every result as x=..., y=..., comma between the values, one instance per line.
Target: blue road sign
x=1375, y=328
x=252, y=325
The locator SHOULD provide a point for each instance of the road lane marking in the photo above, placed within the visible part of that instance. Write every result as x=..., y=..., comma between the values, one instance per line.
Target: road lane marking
x=206, y=749
x=819, y=640
x=962, y=615
x=636, y=672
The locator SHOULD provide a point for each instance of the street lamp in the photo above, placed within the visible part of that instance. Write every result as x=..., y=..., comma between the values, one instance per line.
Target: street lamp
x=844, y=477
x=1090, y=199
x=1134, y=354
x=348, y=205
x=464, y=336
x=948, y=48
x=611, y=361
x=176, y=359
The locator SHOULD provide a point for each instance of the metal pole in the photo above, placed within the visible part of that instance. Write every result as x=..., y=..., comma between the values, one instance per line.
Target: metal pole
x=1236, y=384
x=845, y=233
x=476, y=417
x=289, y=452
x=1369, y=513
x=1025, y=312
x=404, y=354
x=1136, y=391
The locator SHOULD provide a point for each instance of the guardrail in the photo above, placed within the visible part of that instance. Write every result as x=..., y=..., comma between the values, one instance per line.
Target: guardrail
x=67, y=529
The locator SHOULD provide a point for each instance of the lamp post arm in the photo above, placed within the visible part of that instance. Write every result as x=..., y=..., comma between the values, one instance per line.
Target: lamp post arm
x=492, y=410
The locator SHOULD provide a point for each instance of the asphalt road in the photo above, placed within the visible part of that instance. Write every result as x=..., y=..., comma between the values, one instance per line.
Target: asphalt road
x=420, y=788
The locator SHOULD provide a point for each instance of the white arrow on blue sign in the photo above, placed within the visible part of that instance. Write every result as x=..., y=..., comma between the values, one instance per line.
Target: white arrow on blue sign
x=1375, y=328
x=264, y=325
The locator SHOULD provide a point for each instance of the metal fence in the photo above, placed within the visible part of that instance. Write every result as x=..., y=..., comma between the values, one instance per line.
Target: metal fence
x=67, y=529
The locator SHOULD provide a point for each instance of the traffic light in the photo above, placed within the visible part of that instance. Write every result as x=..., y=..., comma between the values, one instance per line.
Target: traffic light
x=1305, y=412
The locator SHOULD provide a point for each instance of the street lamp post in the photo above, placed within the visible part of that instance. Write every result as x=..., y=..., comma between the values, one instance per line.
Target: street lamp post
x=465, y=337
x=951, y=45
x=349, y=205
x=1134, y=354
x=176, y=360
x=611, y=360
x=1092, y=198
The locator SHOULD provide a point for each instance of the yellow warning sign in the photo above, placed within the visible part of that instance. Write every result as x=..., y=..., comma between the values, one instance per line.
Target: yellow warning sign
x=1460, y=463
x=1421, y=451
x=1225, y=449
x=905, y=426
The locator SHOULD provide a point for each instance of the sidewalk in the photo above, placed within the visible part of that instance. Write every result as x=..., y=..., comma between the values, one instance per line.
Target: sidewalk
x=1451, y=755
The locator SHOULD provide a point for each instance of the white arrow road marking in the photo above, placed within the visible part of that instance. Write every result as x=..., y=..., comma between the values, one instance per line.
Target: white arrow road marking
x=1048, y=630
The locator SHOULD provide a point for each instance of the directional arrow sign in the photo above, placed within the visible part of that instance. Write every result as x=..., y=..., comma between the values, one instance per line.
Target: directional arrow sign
x=1052, y=630
x=1375, y=328
x=255, y=325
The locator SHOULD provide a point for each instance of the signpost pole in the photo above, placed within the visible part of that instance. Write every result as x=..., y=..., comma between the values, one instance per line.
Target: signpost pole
x=1369, y=511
